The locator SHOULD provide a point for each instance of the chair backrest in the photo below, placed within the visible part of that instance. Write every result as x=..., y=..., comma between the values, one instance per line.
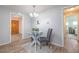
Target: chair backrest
x=49, y=33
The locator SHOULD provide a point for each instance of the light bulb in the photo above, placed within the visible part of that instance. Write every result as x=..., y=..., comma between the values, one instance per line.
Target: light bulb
x=34, y=14
x=31, y=14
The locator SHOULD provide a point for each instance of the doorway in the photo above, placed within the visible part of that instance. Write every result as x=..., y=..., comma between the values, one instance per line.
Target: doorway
x=16, y=28
x=71, y=28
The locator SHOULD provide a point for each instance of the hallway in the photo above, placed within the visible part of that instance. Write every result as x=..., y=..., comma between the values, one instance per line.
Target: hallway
x=15, y=37
x=72, y=45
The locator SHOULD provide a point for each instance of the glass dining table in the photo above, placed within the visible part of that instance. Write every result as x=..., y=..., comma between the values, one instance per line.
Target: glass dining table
x=35, y=36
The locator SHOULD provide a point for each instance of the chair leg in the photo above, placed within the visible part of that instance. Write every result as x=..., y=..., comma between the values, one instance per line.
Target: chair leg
x=40, y=47
x=49, y=45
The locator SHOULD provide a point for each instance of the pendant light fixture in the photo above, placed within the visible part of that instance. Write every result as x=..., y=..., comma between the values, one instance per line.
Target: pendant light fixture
x=34, y=13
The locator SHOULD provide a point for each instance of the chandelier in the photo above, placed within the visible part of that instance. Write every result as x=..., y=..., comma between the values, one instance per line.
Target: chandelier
x=34, y=13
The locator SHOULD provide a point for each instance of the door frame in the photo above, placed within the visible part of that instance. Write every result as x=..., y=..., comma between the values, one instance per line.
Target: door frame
x=21, y=20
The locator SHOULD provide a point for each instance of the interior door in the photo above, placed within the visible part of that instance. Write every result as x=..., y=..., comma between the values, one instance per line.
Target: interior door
x=15, y=26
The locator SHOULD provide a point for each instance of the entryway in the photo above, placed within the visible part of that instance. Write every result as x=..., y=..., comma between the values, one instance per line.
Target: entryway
x=16, y=28
x=71, y=28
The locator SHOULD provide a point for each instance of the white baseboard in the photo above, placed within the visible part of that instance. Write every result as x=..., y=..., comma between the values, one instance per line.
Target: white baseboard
x=57, y=44
x=4, y=43
x=27, y=37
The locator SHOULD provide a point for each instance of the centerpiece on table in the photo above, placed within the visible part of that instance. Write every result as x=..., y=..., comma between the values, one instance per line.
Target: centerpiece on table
x=35, y=29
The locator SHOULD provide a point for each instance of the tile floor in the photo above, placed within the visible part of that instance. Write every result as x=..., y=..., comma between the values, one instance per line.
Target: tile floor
x=24, y=46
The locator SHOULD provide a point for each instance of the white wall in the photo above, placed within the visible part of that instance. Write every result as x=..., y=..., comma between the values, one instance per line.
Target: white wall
x=27, y=25
x=4, y=26
x=53, y=18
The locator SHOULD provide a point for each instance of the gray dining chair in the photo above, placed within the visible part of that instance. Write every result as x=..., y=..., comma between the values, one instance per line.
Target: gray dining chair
x=46, y=40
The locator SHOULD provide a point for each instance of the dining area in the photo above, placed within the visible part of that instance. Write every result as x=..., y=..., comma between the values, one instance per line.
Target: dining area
x=39, y=41
x=40, y=31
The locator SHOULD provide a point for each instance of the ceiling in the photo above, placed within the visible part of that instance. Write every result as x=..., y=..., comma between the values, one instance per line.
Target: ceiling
x=29, y=8
x=74, y=9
